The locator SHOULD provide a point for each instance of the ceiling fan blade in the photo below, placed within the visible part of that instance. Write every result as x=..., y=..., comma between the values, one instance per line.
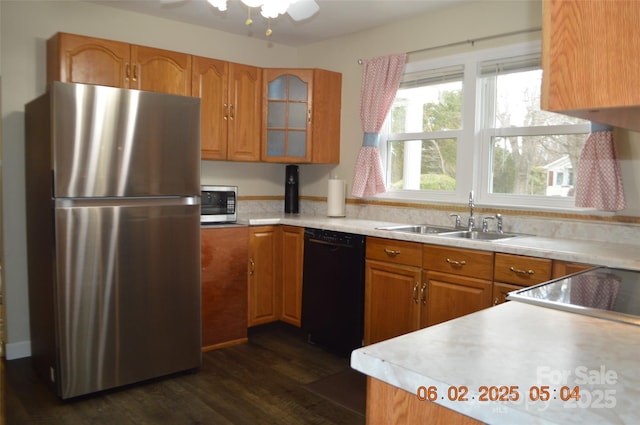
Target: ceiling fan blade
x=303, y=9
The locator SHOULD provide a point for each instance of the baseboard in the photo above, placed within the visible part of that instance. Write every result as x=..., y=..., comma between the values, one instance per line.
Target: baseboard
x=17, y=350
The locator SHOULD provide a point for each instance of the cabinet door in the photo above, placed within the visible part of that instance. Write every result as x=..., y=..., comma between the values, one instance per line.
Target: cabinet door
x=210, y=83
x=245, y=117
x=325, y=117
x=392, y=300
x=292, y=260
x=450, y=296
x=224, y=289
x=287, y=115
x=589, y=59
x=77, y=59
x=264, y=274
x=160, y=71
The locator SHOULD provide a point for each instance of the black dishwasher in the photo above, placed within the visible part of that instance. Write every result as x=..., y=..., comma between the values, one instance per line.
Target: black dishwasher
x=333, y=290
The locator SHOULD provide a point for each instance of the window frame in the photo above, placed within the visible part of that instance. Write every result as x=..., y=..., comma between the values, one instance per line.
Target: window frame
x=473, y=140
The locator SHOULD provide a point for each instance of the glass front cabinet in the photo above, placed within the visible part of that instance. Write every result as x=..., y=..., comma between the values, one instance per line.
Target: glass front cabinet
x=301, y=116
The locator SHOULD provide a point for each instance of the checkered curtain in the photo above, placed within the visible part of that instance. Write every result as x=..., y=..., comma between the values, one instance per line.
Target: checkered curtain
x=380, y=82
x=598, y=181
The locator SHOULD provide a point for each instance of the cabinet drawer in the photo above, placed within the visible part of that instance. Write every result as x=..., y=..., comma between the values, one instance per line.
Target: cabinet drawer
x=392, y=251
x=464, y=262
x=521, y=270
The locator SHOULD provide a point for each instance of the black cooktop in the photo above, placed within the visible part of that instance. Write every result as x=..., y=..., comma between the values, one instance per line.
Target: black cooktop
x=612, y=294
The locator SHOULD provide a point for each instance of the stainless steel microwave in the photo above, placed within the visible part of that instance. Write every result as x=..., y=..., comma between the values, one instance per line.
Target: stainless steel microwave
x=219, y=204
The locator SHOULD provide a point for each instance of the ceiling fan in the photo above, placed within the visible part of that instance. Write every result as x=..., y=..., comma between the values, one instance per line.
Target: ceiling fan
x=298, y=10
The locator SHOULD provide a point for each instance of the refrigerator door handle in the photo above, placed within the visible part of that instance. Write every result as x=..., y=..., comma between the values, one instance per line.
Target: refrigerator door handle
x=126, y=202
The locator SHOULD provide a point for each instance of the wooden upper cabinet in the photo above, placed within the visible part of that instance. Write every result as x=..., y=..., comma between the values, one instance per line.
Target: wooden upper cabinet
x=160, y=70
x=590, y=60
x=231, y=102
x=210, y=83
x=79, y=59
x=301, y=116
x=245, y=100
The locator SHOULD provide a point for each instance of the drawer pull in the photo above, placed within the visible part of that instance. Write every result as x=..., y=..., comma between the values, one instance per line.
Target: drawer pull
x=456, y=263
x=391, y=252
x=415, y=292
x=423, y=293
x=522, y=272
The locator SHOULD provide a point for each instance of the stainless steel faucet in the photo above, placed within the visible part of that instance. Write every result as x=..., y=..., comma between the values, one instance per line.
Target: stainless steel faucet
x=472, y=218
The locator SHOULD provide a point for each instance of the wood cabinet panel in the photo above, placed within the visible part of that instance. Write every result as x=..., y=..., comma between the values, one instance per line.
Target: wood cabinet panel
x=521, y=270
x=387, y=404
x=224, y=289
x=459, y=261
x=78, y=59
x=210, y=83
x=160, y=70
x=589, y=60
x=89, y=60
x=391, y=300
x=264, y=274
x=450, y=296
x=393, y=251
x=292, y=262
x=230, y=107
x=245, y=117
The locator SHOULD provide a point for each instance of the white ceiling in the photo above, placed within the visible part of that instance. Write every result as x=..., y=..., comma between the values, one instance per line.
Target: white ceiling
x=335, y=17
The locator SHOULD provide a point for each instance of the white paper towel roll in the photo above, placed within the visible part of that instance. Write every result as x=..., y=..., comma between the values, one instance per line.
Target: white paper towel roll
x=335, y=198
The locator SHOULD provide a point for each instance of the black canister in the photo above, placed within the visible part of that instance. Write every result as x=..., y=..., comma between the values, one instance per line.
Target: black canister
x=291, y=202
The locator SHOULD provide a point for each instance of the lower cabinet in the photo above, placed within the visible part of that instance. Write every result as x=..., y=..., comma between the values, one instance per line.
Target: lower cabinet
x=393, y=292
x=387, y=404
x=292, y=261
x=458, y=282
x=224, y=286
x=392, y=300
x=264, y=274
x=512, y=272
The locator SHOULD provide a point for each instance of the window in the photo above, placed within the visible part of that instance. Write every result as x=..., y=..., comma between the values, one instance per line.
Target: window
x=474, y=122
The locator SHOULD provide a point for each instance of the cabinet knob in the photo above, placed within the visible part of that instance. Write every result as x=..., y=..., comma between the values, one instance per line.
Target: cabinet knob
x=423, y=293
x=252, y=266
x=415, y=292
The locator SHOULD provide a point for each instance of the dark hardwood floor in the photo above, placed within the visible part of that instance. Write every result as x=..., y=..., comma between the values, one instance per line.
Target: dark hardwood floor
x=261, y=382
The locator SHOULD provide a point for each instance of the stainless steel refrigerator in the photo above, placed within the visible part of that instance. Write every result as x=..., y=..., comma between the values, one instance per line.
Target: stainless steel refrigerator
x=113, y=233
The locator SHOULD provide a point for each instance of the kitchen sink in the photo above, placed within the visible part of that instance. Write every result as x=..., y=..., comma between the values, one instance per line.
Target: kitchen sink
x=422, y=229
x=476, y=235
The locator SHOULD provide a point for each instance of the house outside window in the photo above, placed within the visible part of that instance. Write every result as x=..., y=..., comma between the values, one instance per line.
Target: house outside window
x=473, y=122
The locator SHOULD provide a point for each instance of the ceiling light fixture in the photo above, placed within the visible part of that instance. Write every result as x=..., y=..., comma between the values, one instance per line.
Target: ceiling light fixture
x=273, y=8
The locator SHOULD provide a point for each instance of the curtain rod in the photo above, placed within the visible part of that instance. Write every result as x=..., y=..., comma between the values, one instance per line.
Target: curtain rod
x=470, y=41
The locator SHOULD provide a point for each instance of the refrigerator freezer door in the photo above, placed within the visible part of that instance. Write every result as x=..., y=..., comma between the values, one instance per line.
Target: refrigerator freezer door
x=110, y=142
x=128, y=293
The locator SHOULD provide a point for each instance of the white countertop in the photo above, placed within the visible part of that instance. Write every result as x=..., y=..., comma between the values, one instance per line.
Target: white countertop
x=622, y=256
x=516, y=344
